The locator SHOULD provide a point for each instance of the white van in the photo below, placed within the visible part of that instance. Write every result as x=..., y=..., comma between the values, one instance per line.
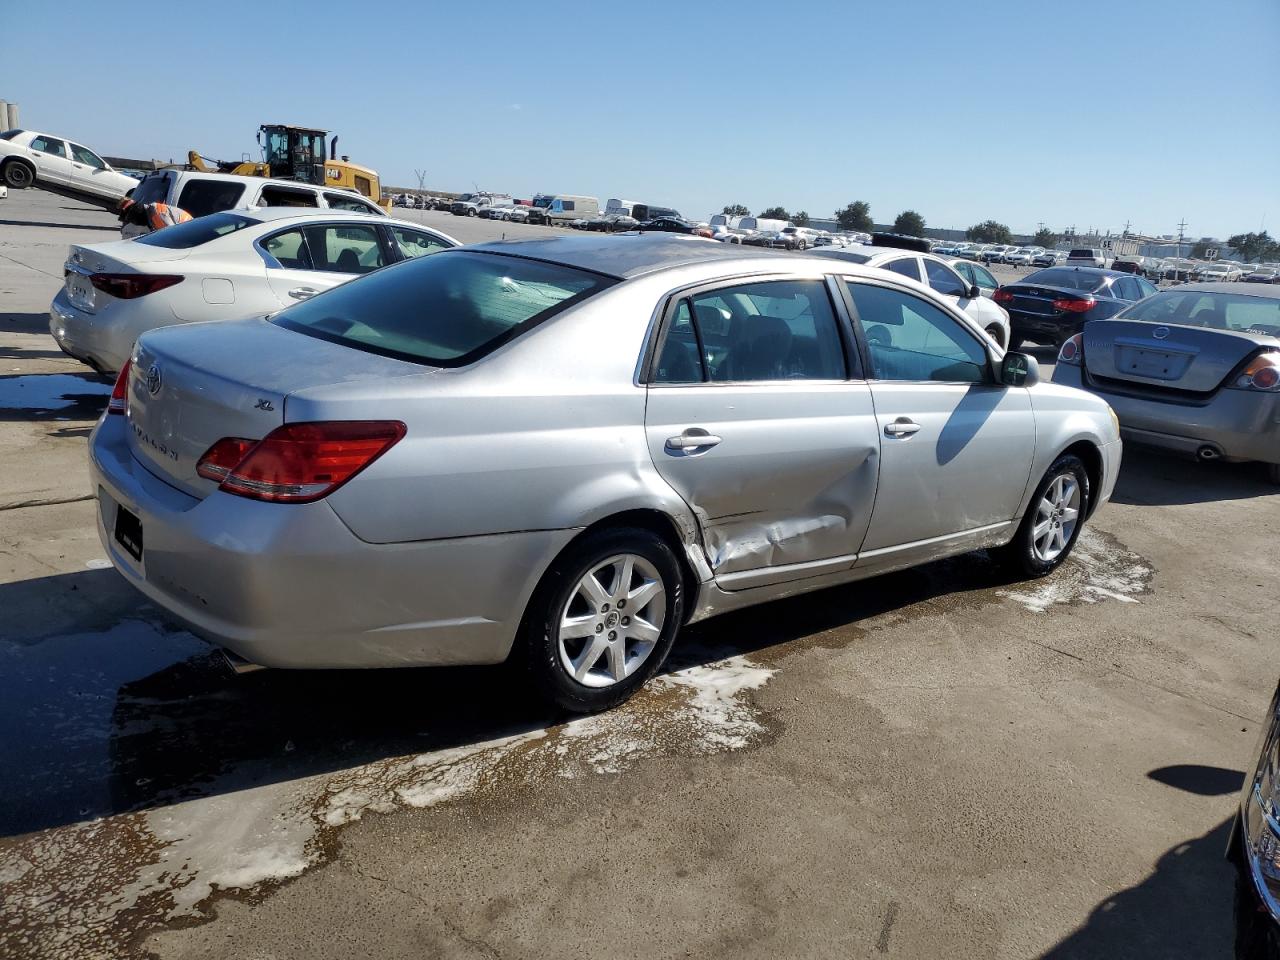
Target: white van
x=761, y=225
x=565, y=208
x=203, y=193
x=621, y=207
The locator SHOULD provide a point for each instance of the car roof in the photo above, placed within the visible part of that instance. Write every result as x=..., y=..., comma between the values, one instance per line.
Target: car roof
x=266, y=214
x=1262, y=291
x=626, y=255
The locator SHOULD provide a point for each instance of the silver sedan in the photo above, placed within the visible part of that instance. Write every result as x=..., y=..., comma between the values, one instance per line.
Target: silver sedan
x=566, y=449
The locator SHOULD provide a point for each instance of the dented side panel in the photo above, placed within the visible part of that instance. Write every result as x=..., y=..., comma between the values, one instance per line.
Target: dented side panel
x=791, y=481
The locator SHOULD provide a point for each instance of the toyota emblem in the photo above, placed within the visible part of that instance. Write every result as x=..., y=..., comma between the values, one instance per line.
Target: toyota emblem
x=153, y=379
x=1160, y=332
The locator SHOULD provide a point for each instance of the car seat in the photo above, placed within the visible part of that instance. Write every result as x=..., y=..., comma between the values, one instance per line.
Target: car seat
x=348, y=261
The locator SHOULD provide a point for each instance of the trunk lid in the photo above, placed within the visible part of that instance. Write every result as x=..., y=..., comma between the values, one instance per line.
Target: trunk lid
x=120, y=256
x=197, y=383
x=1192, y=359
x=1038, y=300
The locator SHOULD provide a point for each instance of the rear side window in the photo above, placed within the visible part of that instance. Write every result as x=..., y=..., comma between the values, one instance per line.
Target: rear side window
x=154, y=189
x=907, y=266
x=281, y=197
x=55, y=148
x=779, y=330
x=446, y=310
x=192, y=233
x=345, y=201
x=203, y=197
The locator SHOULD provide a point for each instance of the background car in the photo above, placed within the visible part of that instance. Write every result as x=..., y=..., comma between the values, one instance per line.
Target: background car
x=790, y=238
x=941, y=275
x=995, y=253
x=1194, y=369
x=673, y=225
x=1020, y=257
x=29, y=158
x=974, y=273
x=1049, y=306
x=1262, y=275
x=224, y=266
x=385, y=504
x=1086, y=257
x=1046, y=258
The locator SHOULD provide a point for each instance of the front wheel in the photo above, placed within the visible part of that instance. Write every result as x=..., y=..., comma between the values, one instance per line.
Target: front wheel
x=1053, y=520
x=603, y=619
x=996, y=334
x=18, y=175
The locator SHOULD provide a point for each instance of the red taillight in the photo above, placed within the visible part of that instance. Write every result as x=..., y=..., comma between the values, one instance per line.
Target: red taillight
x=1074, y=305
x=130, y=286
x=223, y=457
x=120, y=393
x=1002, y=296
x=299, y=462
x=1072, y=350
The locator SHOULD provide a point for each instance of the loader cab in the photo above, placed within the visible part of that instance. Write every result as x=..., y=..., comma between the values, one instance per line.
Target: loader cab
x=294, y=153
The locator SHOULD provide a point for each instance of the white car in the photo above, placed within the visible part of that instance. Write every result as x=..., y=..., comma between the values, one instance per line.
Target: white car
x=226, y=266
x=932, y=270
x=29, y=158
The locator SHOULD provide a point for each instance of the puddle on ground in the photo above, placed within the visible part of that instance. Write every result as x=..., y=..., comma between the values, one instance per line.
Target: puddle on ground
x=1099, y=568
x=83, y=394
x=91, y=887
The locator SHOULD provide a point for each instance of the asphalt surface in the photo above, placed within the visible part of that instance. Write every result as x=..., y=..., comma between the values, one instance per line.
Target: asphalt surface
x=934, y=763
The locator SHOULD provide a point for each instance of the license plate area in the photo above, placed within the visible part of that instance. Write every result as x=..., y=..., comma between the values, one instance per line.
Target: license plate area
x=1152, y=364
x=128, y=532
x=80, y=292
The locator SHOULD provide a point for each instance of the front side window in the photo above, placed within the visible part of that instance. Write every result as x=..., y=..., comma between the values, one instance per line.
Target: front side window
x=416, y=243
x=907, y=266
x=55, y=148
x=192, y=233
x=447, y=310
x=944, y=280
x=203, y=197
x=87, y=157
x=983, y=277
x=774, y=330
x=910, y=339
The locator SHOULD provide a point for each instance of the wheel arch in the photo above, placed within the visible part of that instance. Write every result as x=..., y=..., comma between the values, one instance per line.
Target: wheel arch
x=1091, y=457
x=9, y=161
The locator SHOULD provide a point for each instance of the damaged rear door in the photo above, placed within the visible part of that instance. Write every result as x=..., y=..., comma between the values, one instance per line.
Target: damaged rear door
x=759, y=417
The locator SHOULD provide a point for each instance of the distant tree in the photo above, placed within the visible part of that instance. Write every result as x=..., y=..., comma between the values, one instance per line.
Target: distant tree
x=1045, y=238
x=909, y=223
x=775, y=213
x=736, y=210
x=800, y=218
x=988, y=231
x=856, y=216
x=1251, y=246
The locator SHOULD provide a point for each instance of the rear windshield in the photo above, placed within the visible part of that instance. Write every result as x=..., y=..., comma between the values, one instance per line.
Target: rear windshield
x=1064, y=277
x=203, y=197
x=153, y=189
x=1083, y=252
x=447, y=310
x=1199, y=308
x=184, y=236
x=9, y=134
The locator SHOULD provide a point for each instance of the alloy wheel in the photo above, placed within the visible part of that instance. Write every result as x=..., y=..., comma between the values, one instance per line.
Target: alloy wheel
x=1057, y=514
x=612, y=620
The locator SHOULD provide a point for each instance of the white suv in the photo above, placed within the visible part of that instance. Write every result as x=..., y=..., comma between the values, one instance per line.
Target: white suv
x=29, y=158
x=201, y=194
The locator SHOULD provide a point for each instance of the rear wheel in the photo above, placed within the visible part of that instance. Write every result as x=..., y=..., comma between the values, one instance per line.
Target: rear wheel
x=19, y=175
x=1053, y=520
x=603, y=619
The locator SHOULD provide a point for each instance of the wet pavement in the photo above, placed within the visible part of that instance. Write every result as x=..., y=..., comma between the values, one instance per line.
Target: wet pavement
x=935, y=762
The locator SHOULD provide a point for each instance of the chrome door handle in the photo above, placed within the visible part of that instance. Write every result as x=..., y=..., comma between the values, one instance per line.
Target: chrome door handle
x=301, y=293
x=692, y=441
x=902, y=427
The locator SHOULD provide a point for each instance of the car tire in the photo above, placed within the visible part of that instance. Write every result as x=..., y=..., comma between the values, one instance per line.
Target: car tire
x=562, y=597
x=1273, y=472
x=996, y=334
x=1035, y=550
x=19, y=174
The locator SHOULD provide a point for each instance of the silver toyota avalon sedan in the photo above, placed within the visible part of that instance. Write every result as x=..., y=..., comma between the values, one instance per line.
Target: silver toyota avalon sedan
x=565, y=449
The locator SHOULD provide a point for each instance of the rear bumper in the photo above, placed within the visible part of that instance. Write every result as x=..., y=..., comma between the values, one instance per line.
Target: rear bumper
x=1053, y=329
x=1237, y=424
x=291, y=586
x=87, y=337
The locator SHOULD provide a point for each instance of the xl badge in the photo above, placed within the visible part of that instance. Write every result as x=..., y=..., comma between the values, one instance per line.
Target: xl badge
x=153, y=379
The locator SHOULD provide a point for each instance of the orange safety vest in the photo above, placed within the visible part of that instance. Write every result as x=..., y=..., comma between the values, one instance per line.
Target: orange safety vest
x=161, y=215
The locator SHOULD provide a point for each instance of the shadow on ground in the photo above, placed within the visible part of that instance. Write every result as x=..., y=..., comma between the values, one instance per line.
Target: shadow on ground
x=25, y=323
x=120, y=710
x=36, y=397
x=1152, y=478
x=1182, y=910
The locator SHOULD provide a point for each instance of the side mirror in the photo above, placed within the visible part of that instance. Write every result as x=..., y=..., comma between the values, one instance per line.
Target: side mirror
x=973, y=292
x=1019, y=370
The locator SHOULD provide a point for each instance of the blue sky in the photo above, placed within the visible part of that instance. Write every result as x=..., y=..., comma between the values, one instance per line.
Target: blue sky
x=1069, y=113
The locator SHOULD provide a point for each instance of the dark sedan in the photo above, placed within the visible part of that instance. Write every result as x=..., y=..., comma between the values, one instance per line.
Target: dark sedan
x=1050, y=306
x=673, y=225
